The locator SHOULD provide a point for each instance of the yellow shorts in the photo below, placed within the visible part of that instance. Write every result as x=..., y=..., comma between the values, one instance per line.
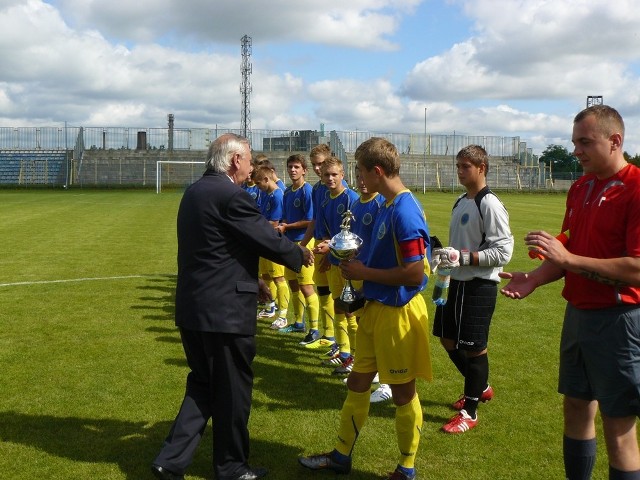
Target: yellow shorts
x=274, y=270
x=319, y=278
x=305, y=277
x=336, y=281
x=394, y=341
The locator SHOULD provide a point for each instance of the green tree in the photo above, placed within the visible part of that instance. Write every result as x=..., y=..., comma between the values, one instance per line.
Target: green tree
x=635, y=159
x=560, y=159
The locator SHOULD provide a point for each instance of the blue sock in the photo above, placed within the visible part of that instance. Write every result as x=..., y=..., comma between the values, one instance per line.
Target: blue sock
x=340, y=457
x=344, y=355
x=409, y=472
x=299, y=324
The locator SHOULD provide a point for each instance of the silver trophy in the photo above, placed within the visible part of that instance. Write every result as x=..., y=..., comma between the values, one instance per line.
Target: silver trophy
x=344, y=246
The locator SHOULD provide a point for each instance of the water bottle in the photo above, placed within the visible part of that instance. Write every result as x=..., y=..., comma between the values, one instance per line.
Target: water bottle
x=441, y=288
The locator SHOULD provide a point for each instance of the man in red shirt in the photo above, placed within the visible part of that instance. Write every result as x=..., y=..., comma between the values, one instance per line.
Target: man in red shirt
x=600, y=344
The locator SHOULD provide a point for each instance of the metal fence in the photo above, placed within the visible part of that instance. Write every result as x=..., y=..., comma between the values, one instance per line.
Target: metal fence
x=130, y=138
x=108, y=156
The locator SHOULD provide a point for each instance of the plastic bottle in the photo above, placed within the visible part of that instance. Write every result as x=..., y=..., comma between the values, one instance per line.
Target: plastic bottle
x=441, y=288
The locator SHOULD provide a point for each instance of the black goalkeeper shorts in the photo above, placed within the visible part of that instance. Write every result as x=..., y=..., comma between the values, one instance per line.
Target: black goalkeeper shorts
x=466, y=316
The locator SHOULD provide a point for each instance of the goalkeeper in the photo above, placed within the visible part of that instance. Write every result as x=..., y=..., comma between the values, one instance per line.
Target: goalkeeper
x=480, y=244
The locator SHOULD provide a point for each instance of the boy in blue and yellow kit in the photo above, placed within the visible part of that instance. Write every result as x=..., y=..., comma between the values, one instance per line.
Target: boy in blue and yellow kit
x=329, y=217
x=393, y=334
x=272, y=210
x=297, y=215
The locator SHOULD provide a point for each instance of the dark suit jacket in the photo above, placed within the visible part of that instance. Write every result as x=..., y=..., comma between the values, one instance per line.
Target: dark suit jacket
x=221, y=235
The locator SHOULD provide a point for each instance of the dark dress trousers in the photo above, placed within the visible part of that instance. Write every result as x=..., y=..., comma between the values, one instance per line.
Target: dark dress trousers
x=221, y=236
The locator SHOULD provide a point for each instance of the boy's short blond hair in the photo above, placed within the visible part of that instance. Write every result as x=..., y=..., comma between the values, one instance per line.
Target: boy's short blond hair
x=379, y=152
x=331, y=162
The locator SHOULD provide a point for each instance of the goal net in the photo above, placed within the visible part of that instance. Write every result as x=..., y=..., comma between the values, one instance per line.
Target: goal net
x=177, y=174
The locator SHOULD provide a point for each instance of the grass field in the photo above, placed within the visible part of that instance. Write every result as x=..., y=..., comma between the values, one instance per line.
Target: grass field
x=92, y=370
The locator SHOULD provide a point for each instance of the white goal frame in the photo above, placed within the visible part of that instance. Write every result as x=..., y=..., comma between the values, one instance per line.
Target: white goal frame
x=159, y=164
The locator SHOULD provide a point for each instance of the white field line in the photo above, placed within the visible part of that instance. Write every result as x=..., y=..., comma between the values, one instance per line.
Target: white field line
x=86, y=279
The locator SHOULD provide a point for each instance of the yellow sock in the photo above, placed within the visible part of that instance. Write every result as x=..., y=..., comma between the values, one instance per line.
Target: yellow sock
x=313, y=308
x=342, y=333
x=352, y=328
x=272, y=288
x=353, y=415
x=408, y=430
x=298, y=306
x=326, y=314
x=283, y=298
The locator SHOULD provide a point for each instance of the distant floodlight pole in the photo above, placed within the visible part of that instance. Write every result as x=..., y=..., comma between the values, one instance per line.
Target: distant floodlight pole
x=594, y=100
x=245, y=88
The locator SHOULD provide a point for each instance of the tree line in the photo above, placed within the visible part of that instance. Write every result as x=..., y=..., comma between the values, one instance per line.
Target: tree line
x=561, y=160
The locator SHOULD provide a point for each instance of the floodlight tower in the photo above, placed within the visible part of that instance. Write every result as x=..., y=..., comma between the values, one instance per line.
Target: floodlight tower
x=245, y=87
x=594, y=100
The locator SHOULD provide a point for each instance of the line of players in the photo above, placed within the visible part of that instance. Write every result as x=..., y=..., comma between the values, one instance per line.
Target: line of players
x=311, y=216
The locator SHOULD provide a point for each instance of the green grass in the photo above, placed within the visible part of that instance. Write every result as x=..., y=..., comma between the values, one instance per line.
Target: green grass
x=92, y=370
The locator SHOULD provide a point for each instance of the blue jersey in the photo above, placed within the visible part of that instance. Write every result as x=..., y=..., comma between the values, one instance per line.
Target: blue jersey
x=272, y=205
x=298, y=206
x=398, y=221
x=319, y=193
x=330, y=215
x=281, y=184
x=365, y=214
x=255, y=192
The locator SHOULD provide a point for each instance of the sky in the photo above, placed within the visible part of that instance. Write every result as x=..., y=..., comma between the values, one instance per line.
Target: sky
x=475, y=67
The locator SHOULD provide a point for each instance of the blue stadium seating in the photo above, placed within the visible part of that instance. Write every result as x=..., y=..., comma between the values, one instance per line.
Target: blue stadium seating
x=32, y=167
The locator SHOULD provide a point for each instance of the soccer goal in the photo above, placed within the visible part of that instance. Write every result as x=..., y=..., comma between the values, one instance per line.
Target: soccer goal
x=177, y=174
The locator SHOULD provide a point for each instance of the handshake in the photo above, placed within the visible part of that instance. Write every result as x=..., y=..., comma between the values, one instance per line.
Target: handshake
x=448, y=257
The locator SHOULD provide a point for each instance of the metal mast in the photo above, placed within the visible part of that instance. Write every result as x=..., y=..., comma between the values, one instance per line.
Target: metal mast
x=245, y=87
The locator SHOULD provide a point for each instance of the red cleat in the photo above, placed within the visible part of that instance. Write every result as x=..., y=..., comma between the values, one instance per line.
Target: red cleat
x=460, y=423
x=485, y=397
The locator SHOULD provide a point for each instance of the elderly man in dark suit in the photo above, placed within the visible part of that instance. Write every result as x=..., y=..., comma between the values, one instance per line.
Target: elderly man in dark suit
x=221, y=235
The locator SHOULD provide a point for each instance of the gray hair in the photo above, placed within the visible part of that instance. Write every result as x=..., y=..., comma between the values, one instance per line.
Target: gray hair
x=222, y=150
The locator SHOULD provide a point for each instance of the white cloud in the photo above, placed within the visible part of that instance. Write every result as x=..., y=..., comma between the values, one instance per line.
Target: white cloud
x=524, y=69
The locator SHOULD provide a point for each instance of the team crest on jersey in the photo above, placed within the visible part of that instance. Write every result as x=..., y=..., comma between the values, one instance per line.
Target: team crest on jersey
x=254, y=195
x=296, y=203
x=464, y=219
x=367, y=219
x=382, y=231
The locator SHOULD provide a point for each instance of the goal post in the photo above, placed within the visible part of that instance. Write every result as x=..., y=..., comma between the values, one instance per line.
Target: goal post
x=177, y=174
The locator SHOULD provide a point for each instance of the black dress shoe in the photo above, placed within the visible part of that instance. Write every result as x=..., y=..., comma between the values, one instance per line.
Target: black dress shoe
x=253, y=474
x=164, y=474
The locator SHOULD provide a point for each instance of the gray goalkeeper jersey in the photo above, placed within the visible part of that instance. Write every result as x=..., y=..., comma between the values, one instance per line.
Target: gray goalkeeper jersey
x=487, y=233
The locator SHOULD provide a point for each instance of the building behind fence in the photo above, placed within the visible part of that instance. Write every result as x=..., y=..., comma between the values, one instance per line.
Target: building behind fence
x=170, y=157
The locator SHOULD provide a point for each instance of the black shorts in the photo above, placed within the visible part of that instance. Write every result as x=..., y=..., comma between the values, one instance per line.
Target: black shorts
x=600, y=358
x=466, y=316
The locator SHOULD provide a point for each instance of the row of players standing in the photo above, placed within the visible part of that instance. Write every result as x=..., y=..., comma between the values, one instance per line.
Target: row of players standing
x=480, y=229
x=311, y=216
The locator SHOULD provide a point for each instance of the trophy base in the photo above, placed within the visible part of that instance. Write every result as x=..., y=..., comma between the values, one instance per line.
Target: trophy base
x=349, y=307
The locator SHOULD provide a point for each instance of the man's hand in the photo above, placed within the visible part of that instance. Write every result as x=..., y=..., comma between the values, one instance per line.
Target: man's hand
x=449, y=257
x=307, y=256
x=264, y=294
x=352, y=269
x=519, y=286
x=322, y=247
